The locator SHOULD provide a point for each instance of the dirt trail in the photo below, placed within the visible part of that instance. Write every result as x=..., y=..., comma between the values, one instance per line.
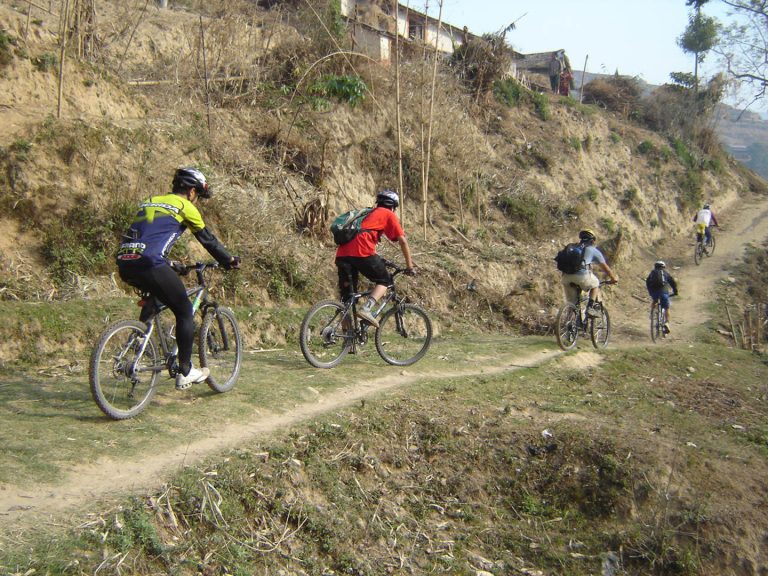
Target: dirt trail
x=698, y=285
x=23, y=506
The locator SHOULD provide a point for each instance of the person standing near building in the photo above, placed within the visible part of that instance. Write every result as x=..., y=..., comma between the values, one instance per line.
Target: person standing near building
x=555, y=69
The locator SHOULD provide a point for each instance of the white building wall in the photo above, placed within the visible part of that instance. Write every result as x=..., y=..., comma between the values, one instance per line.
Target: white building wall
x=371, y=43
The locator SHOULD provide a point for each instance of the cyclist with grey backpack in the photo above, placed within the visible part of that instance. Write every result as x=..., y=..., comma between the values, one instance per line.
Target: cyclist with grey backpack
x=575, y=261
x=358, y=255
x=656, y=283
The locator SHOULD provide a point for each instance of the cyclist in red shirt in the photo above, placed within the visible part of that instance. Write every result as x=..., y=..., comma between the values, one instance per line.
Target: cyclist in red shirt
x=358, y=256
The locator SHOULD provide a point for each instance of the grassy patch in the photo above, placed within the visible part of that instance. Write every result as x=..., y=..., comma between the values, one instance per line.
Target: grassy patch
x=443, y=464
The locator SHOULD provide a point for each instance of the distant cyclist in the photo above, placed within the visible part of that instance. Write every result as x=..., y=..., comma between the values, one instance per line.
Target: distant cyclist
x=142, y=258
x=705, y=218
x=658, y=283
x=584, y=277
x=358, y=256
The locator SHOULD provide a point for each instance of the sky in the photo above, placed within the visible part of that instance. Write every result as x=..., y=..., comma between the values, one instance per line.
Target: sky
x=635, y=37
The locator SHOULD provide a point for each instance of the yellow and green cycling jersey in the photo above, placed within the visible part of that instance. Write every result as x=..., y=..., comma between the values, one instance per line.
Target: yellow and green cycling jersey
x=159, y=223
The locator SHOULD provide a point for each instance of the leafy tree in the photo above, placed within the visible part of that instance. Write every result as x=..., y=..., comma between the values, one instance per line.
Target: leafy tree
x=700, y=37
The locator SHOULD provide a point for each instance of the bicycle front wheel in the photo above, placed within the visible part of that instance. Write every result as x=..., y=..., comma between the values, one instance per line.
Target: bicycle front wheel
x=698, y=252
x=404, y=335
x=123, y=383
x=656, y=323
x=323, y=339
x=221, y=348
x=711, y=245
x=600, y=329
x=567, y=326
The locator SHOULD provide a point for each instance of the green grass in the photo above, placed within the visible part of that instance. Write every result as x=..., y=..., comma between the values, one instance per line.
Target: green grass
x=456, y=460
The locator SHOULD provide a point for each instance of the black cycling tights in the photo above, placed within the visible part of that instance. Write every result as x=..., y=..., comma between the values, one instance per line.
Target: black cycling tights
x=165, y=284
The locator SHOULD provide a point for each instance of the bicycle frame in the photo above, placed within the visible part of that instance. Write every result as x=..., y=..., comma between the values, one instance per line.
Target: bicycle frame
x=200, y=299
x=359, y=330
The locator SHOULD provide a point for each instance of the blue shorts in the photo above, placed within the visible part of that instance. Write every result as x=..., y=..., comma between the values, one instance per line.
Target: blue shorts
x=662, y=296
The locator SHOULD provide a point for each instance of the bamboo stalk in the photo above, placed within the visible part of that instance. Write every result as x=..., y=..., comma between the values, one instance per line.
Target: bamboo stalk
x=583, y=73
x=130, y=39
x=477, y=195
x=730, y=321
x=461, y=199
x=62, y=54
x=431, y=114
x=205, y=76
x=397, y=114
x=29, y=15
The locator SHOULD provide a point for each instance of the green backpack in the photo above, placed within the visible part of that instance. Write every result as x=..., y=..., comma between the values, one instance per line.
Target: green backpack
x=348, y=225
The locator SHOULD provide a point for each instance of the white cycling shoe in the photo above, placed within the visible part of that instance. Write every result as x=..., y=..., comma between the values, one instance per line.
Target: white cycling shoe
x=195, y=376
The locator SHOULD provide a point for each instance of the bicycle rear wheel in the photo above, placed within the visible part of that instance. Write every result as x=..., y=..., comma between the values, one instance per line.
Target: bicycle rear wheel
x=600, y=328
x=122, y=385
x=221, y=348
x=323, y=340
x=656, y=322
x=404, y=335
x=567, y=326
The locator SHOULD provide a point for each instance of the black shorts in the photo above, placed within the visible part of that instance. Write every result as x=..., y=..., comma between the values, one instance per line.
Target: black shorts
x=350, y=268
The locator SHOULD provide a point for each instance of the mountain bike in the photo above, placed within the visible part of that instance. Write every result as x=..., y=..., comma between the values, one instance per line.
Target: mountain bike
x=130, y=355
x=703, y=246
x=331, y=329
x=658, y=319
x=573, y=321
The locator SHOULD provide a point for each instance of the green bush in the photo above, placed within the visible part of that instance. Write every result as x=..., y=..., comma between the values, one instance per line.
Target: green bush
x=646, y=147
x=541, y=105
x=692, y=188
x=508, y=91
x=345, y=89
x=6, y=48
x=45, y=62
x=83, y=241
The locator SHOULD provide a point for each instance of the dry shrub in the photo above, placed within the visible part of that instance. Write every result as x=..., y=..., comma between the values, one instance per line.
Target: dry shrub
x=480, y=62
x=617, y=93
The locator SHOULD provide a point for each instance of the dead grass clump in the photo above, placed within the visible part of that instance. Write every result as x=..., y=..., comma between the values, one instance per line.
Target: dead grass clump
x=481, y=62
x=617, y=93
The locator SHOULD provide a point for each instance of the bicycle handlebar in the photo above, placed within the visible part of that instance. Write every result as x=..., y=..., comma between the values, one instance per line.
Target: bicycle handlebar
x=184, y=269
x=397, y=269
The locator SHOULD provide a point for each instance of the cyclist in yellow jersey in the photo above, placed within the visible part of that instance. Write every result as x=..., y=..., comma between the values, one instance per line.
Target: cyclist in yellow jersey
x=142, y=258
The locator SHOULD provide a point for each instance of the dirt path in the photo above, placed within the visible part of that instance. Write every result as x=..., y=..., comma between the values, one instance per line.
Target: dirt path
x=698, y=285
x=20, y=507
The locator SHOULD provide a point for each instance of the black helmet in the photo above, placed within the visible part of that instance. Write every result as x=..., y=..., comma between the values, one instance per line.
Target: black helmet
x=186, y=178
x=659, y=264
x=388, y=199
x=587, y=235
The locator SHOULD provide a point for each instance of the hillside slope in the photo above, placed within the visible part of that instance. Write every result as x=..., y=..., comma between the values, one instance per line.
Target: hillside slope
x=506, y=186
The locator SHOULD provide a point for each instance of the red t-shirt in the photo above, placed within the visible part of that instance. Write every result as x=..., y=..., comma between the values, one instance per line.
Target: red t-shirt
x=381, y=220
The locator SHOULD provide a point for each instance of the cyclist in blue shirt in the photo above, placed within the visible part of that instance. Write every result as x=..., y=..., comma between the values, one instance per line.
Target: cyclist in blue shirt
x=142, y=258
x=656, y=283
x=584, y=277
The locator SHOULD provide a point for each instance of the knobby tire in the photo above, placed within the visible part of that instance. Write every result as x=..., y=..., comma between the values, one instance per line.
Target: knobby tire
x=656, y=324
x=567, y=326
x=600, y=329
x=112, y=388
x=323, y=340
x=698, y=252
x=404, y=334
x=220, y=346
